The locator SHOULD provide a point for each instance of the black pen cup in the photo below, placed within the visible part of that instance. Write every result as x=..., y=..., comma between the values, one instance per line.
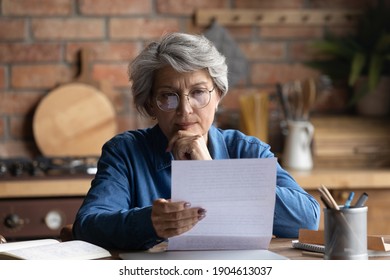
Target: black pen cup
x=346, y=233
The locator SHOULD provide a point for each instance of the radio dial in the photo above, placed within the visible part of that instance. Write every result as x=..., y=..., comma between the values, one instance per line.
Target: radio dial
x=54, y=220
x=13, y=221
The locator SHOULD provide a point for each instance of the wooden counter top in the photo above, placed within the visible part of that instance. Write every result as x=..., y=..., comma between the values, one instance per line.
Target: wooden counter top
x=44, y=187
x=309, y=180
x=281, y=246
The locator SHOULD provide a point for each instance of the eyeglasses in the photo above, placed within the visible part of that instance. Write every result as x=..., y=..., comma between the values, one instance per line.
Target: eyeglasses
x=198, y=98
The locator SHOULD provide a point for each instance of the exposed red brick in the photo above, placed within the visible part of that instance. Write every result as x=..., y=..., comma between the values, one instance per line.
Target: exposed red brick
x=115, y=7
x=264, y=50
x=115, y=96
x=2, y=78
x=266, y=73
x=107, y=51
x=115, y=73
x=20, y=103
x=21, y=127
x=39, y=76
x=291, y=32
x=12, y=29
x=141, y=28
x=68, y=28
x=40, y=40
x=18, y=52
x=127, y=121
x=240, y=32
x=231, y=100
x=2, y=126
x=17, y=148
x=37, y=7
x=187, y=7
x=299, y=51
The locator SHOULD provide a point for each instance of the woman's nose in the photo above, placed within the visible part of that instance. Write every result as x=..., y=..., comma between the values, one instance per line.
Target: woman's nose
x=184, y=105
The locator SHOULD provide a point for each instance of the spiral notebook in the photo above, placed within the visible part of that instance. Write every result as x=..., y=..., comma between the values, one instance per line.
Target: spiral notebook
x=308, y=247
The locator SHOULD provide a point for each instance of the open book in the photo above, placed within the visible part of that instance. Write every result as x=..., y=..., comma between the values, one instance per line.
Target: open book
x=51, y=249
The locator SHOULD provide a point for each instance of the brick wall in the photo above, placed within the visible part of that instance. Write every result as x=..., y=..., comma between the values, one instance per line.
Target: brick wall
x=40, y=41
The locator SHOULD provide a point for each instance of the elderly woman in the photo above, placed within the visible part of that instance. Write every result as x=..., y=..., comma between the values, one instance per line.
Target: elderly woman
x=179, y=81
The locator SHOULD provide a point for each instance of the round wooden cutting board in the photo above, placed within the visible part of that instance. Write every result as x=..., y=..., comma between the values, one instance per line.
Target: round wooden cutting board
x=74, y=120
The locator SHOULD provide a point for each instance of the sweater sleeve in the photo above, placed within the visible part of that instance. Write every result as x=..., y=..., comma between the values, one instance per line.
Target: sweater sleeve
x=131, y=229
x=294, y=207
x=109, y=216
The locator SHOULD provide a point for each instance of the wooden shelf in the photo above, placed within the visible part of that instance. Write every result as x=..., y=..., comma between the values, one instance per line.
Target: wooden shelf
x=264, y=17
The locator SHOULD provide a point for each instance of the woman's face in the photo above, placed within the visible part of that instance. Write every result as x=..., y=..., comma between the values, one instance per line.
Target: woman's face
x=184, y=117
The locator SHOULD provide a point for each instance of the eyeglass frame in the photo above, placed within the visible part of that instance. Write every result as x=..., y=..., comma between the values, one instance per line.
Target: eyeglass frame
x=188, y=99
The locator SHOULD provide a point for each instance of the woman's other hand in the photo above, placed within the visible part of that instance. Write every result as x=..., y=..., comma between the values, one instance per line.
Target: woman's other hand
x=174, y=218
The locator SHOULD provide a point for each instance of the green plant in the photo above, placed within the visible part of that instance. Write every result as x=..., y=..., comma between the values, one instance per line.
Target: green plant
x=363, y=54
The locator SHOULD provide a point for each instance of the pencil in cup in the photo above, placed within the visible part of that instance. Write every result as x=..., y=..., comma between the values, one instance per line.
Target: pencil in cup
x=346, y=233
x=341, y=239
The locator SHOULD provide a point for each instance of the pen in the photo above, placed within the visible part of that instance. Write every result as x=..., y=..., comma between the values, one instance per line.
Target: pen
x=349, y=200
x=362, y=200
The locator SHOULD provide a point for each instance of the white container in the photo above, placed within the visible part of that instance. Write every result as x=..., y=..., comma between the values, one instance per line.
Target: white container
x=297, y=150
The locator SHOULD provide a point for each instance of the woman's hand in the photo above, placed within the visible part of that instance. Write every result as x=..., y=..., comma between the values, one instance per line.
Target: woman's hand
x=186, y=145
x=174, y=218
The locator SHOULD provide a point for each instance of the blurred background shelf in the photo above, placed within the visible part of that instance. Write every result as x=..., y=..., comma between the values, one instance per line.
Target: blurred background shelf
x=351, y=141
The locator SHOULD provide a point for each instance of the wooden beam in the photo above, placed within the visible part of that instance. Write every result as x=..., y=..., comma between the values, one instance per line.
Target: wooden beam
x=260, y=17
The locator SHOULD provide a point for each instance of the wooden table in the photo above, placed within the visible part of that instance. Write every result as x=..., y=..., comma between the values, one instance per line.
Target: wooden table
x=282, y=246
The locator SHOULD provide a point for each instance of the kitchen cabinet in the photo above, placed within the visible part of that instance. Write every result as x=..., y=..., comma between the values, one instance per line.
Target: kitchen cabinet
x=33, y=208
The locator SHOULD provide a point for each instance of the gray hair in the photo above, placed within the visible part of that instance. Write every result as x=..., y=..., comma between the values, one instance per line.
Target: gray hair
x=184, y=53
